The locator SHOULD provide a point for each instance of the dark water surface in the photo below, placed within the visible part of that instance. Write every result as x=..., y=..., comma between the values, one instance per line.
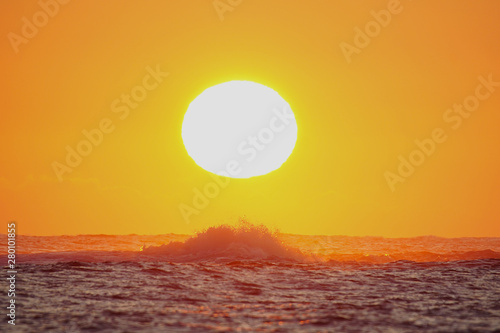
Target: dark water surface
x=259, y=296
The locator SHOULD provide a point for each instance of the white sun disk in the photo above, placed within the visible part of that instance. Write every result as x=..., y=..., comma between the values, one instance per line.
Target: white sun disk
x=239, y=129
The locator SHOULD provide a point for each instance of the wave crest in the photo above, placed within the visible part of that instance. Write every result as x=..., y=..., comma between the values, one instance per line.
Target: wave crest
x=243, y=241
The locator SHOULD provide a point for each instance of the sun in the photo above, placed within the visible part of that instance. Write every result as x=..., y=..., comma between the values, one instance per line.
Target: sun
x=239, y=129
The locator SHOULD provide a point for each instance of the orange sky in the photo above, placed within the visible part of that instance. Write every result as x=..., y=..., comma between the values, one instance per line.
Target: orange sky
x=360, y=102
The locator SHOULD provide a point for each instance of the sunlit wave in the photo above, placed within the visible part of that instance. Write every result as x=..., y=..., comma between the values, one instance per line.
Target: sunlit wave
x=224, y=241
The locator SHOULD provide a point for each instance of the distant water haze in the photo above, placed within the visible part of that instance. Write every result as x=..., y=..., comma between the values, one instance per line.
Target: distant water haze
x=254, y=242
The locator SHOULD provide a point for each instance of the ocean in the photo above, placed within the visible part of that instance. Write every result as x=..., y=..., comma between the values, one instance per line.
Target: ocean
x=249, y=279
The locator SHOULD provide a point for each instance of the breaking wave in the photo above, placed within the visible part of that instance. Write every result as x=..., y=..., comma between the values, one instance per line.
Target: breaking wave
x=245, y=241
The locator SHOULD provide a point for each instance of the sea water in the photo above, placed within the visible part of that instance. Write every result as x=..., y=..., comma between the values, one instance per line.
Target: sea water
x=248, y=279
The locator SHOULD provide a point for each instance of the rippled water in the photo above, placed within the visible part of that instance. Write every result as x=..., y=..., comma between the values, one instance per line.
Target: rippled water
x=251, y=280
